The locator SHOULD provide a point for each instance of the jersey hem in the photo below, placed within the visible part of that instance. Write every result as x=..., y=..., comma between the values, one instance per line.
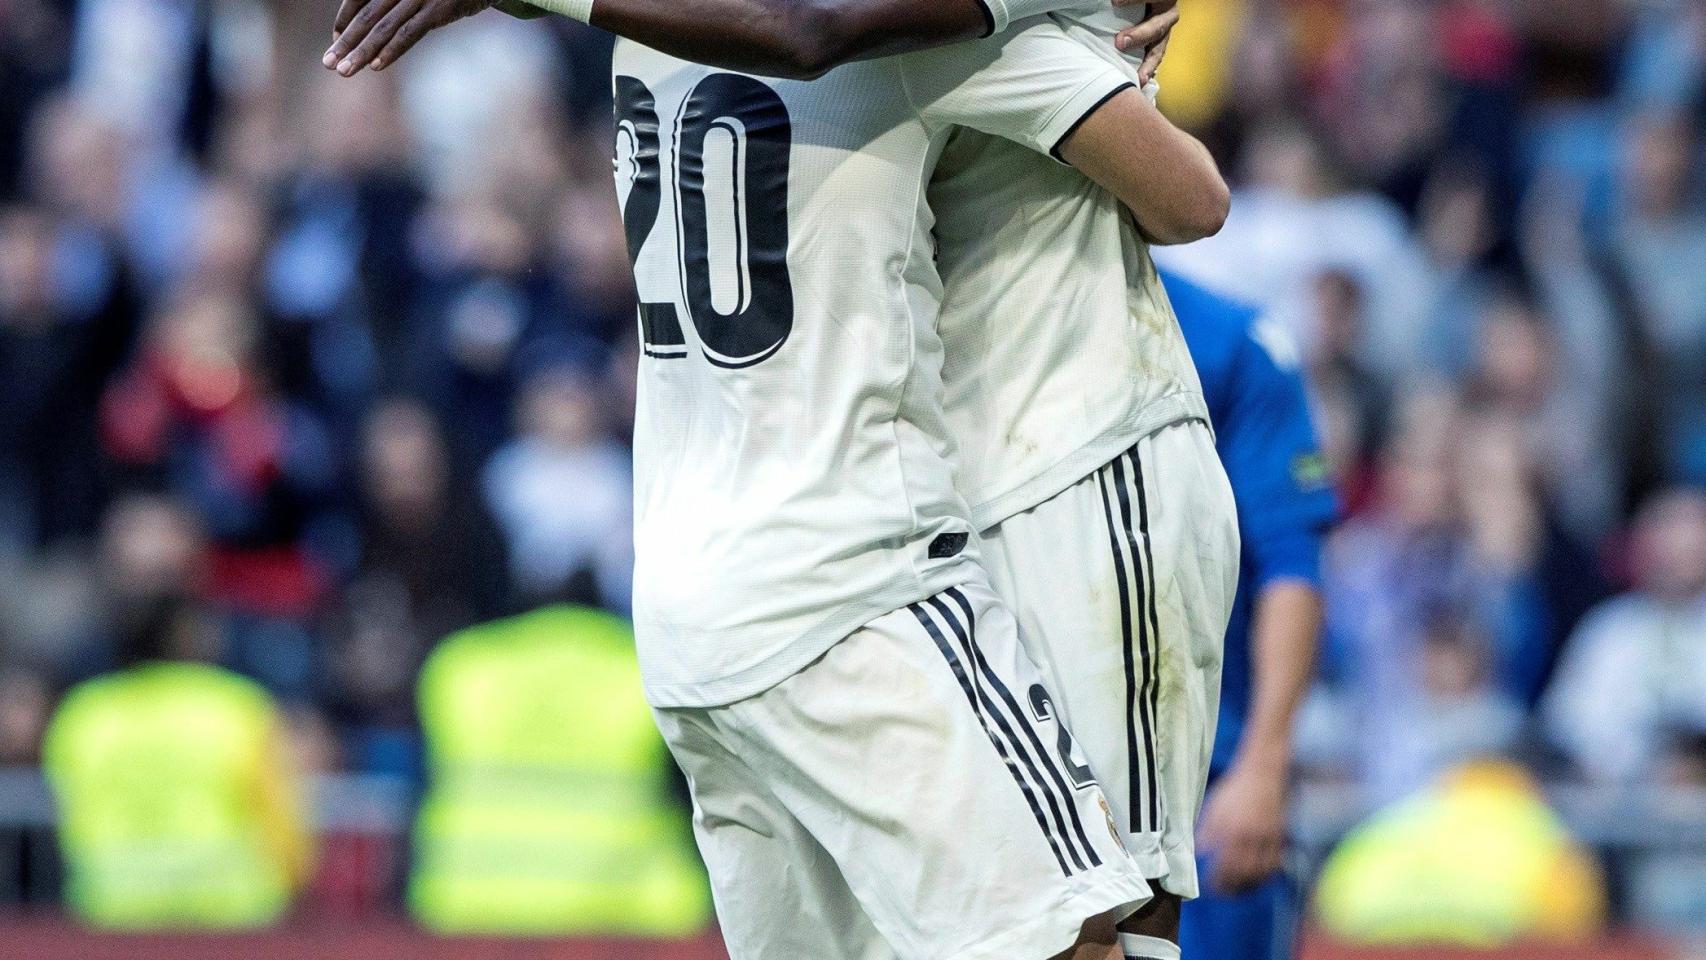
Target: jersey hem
x=1089, y=457
x=791, y=659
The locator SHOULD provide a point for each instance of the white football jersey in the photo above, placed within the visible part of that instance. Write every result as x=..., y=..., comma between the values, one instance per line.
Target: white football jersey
x=793, y=476
x=1062, y=348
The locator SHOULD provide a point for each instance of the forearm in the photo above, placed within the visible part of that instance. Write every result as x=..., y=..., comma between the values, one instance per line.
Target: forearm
x=1284, y=641
x=797, y=39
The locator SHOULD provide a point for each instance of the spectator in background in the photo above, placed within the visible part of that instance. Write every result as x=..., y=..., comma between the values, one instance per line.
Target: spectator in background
x=1356, y=400
x=197, y=415
x=34, y=56
x=561, y=492
x=549, y=810
x=25, y=700
x=1634, y=674
x=64, y=325
x=134, y=61
x=65, y=618
x=68, y=317
x=1383, y=98
x=1424, y=551
x=1522, y=538
x=1457, y=221
x=339, y=276
x=179, y=806
x=231, y=228
x=29, y=856
x=153, y=549
x=1666, y=64
x=92, y=170
x=1685, y=765
x=1476, y=860
x=1464, y=714
x=481, y=322
x=431, y=563
x=1523, y=374
x=1292, y=220
x=592, y=257
x=1659, y=243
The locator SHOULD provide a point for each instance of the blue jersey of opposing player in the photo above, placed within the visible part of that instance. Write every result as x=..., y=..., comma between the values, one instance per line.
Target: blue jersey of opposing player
x=1267, y=443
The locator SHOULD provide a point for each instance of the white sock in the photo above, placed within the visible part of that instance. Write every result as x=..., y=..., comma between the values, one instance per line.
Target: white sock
x=1139, y=947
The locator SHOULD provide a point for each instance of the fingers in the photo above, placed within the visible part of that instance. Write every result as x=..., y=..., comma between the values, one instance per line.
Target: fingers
x=1149, y=32
x=346, y=12
x=383, y=33
x=355, y=32
x=1152, y=62
x=1247, y=862
x=406, y=38
x=1233, y=871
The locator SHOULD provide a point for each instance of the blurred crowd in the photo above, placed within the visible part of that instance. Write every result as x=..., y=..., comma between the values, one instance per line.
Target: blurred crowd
x=349, y=363
x=1484, y=223
x=345, y=362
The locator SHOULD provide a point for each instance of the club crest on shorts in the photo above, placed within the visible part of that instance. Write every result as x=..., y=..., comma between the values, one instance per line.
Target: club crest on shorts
x=1108, y=816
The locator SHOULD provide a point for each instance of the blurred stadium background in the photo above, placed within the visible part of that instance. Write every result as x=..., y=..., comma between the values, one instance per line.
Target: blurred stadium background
x=308, y=375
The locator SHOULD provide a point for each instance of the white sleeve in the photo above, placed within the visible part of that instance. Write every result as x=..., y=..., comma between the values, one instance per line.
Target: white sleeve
x=1005, y=13
x=1033, y=85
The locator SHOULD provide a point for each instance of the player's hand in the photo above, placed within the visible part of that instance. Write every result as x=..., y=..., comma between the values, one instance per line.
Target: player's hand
x=1150, y=36
x=1243, y=827
x=376, y=32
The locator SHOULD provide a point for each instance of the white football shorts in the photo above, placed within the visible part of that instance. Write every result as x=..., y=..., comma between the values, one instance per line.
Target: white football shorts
x=1123, y=586
x=913, y=794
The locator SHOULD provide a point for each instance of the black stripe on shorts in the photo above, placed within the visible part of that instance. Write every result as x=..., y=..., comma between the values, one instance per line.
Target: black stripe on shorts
x=972, y=698
x=1153, y=602
x=1134, y=604
x=1056, y=785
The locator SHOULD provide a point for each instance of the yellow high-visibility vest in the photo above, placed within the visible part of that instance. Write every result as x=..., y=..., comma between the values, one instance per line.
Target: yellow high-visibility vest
x=155, y=771
x=1478, y=860
x=547, y=810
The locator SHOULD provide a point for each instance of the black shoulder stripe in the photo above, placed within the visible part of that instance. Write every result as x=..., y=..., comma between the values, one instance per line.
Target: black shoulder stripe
x=1054, y=151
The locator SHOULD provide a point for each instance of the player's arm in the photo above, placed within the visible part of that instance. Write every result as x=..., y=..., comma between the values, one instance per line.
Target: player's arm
x=798, y=39
x=1046, y=90
x=1164, y=175
x=1244, y=816
x=1286, y=508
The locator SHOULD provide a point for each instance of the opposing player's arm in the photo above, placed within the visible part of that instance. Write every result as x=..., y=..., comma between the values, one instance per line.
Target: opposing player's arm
x=1164, y=175
x=1286, y=508
x=797, y=39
